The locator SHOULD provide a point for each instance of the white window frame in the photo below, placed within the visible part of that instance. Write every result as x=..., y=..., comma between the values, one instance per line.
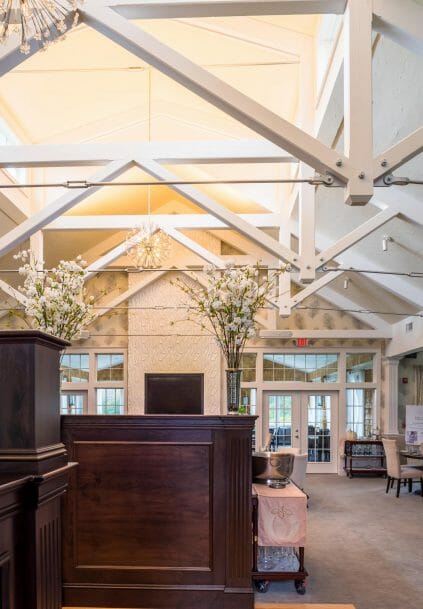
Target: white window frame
x=93, y=384
x=340, y=387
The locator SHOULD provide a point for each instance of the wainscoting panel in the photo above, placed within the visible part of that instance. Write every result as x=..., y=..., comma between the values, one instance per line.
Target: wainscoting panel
x=158, y=512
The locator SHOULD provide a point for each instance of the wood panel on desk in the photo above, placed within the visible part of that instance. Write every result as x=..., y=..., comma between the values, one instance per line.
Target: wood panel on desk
x=158, y=513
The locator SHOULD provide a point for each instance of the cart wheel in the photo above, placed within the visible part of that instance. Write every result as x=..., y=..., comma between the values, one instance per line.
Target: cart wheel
x=262, y=585
x=300, y=587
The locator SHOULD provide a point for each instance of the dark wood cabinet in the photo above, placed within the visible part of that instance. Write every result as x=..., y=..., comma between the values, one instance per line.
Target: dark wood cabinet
x=364, y=457
x=158, y=512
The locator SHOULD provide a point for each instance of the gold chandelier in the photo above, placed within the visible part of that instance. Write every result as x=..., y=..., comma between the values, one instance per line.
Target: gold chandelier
x=43, y=20
x=148, y=246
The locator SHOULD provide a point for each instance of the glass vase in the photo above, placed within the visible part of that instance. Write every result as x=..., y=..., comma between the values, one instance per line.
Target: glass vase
x=233, y=389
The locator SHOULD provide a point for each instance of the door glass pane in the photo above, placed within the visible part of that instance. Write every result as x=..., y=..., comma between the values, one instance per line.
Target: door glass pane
x=280, y=420
x=319, y=429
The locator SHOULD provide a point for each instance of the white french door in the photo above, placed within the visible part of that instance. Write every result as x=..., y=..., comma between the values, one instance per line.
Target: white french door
x=307, y=420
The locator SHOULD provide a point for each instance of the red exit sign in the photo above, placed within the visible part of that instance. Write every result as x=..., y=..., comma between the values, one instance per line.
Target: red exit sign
x=301, y=342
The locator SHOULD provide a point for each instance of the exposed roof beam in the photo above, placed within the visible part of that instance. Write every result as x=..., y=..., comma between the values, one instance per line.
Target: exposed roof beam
x=12, y=292
x=400, y=21
x=358, y=110
x=398, y=154
x=217, y=92
x=290, y=303
x=400, y=200
x=394, y=284
x=343, y=302
x=184, y=221
x=172, y=153
x=57, y=208
x=167, y=9
x=354, y=236
x=222, y=213
x=193, y=246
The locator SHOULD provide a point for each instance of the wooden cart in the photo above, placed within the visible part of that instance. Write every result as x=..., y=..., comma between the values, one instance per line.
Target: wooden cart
x=261, y=577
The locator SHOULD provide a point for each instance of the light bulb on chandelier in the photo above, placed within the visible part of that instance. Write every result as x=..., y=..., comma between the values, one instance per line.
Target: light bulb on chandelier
x=148, y=246
x=42, y=20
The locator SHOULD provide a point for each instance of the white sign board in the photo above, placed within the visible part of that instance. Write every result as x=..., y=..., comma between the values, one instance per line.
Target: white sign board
x=413, y=424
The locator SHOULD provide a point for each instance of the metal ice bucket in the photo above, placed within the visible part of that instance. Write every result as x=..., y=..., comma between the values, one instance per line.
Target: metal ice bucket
x=269, y=467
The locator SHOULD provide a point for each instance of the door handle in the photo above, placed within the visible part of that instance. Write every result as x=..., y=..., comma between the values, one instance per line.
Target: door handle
x=296, y=437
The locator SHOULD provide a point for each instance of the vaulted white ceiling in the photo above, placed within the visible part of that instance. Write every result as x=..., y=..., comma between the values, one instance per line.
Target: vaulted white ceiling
x=88, y=89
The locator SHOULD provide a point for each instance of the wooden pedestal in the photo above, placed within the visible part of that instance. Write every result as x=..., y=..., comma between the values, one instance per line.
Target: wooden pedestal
x=33, y=471
x=158, y=512
x=30, y=403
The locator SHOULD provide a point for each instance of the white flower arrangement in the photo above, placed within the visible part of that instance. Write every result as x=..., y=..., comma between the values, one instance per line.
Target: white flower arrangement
x=54, y=299
x=230, y=302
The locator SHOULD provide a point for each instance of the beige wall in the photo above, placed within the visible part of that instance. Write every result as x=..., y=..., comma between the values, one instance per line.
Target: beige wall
x=161, y=340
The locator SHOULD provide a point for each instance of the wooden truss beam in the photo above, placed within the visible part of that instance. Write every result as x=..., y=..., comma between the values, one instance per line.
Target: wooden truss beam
x=222, y=213
x=52, y=211
x=358, y=110
x=172, y=153
x=171, y=9
x=398, y=154
x=180, y=221
x=217, y=92
x=365, y=229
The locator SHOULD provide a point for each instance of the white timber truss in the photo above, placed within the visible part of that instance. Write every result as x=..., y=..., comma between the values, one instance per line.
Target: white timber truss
x=356, y=170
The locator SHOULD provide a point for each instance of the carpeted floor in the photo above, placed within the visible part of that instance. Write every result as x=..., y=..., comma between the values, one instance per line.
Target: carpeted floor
x=364, y=547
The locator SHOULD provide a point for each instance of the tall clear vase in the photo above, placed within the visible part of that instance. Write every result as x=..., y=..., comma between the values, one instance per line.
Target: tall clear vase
x=233, y=389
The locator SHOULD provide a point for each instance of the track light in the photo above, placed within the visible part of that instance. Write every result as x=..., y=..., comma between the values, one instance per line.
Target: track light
x=346, y=283
x=385, y=240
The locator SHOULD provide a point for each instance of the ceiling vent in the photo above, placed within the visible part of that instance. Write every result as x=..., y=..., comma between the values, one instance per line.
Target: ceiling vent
x=408, y=327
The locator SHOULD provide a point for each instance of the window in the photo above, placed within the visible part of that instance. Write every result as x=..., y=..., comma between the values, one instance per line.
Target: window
x=98, y=377
x=360, y=411
x=109, y=401
x=8, y=138
x=248, y=365
x=303, y=367
x=72, y=403
x=75, y=368
x=359, y=368
x=109, y=367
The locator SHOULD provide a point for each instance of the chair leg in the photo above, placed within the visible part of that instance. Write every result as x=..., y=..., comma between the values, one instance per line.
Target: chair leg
x=421, y=486
x=392, y=482
x=405, y=481
x=410, y=485
x=398, y=486
x=388, y=484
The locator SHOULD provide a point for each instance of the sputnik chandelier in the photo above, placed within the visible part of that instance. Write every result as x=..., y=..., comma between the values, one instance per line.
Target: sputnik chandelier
x=148, y=246
x=43, y=20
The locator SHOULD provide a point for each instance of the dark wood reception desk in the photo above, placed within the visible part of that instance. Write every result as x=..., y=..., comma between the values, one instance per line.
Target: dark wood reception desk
x=158, y=512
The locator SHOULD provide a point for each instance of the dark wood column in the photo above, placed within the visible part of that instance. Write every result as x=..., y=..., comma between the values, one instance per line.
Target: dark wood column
x=30, y=402
x=34, y=470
